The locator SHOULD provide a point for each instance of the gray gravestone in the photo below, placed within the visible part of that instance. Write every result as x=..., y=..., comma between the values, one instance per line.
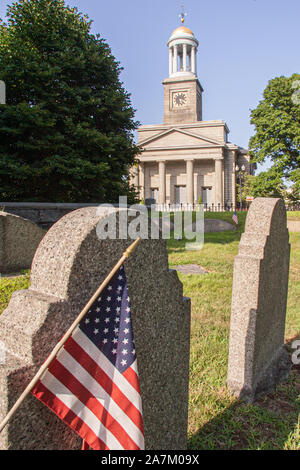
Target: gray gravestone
x=210, y=226
x=258, y=359
x=150, y=201
x=68, y=267
x=2, y=92
x=19, y=239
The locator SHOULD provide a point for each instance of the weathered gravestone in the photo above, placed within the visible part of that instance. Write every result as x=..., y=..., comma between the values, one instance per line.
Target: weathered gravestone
x=69, y=265
x=258, y=359
x=19, y=239
x=150, y=201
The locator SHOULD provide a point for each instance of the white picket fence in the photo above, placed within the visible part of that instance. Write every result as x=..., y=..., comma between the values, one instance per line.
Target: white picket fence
x=191, y=207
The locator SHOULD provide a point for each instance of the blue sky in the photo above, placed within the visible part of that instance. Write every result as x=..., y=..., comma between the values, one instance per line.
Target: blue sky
x=242, y=45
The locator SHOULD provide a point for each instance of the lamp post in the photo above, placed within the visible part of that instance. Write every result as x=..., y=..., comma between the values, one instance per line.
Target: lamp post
x=2, y=92
x=240, y=174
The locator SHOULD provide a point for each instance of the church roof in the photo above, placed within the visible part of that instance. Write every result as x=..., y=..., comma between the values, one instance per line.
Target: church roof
x=182, y=30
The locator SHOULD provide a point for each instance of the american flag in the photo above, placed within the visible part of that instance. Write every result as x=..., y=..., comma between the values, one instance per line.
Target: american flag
x=235, y=218
x=93, y=384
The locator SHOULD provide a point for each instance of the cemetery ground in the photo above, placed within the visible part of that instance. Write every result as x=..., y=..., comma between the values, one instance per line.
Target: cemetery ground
x=216, y=419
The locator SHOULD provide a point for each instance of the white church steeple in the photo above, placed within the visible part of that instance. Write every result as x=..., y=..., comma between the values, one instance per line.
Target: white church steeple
x=182, y=53
x=182, y=90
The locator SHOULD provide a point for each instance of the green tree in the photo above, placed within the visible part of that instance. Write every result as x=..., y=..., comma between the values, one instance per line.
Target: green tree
x=294, y=193
x=66, y=130
x=277, y=129
x=266, y=184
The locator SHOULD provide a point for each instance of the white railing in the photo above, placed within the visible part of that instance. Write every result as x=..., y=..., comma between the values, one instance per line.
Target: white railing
x=192, y=207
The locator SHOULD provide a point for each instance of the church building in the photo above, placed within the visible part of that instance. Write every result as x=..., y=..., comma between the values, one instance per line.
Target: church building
x=187, y=160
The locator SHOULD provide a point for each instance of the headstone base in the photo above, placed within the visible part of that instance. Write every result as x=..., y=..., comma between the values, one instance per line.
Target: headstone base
x=275, y=373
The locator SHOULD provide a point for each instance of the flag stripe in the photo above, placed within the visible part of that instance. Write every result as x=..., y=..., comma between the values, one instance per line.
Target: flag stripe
x=92, y=384
x=85, y=446
x=107, y=399
x=73, y=403
x=134, y=366
x=109, y=385
x=94, y=403
x=67, y=415
x=132, y=378
x=88, y=346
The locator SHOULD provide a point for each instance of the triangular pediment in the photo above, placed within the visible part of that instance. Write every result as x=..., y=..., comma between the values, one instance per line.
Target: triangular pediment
x=176, y=137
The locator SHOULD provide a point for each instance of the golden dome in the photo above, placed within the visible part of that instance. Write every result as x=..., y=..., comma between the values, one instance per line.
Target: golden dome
x=182, y=30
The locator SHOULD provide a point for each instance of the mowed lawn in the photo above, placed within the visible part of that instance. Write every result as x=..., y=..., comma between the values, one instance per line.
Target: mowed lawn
x=216, y=419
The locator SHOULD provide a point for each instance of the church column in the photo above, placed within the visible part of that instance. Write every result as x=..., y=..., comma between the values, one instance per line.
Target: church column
x=233, y=180
x=218, y=181
x=147, y=181
x=181, y=63
x=190, y=181
x=175, y=59
x=170, y=61
x=142, y=181
x=184, y=57
x=193, y=60
x=136, y=180
x=162, y=182
x=135, y=177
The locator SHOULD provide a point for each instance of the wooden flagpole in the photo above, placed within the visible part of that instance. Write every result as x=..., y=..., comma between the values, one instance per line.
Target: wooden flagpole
x=59, y=345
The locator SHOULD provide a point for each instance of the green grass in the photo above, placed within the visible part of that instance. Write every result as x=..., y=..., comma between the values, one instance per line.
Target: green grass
x=216, y=419
x=293, y=215
x=10, y=284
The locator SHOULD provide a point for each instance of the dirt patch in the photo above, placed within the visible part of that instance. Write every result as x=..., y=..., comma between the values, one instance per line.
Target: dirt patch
x=280, y=402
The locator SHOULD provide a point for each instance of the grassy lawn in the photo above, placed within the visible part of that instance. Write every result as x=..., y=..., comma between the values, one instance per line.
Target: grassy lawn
x=293, y=215
x=9, y=284
x=216, y=419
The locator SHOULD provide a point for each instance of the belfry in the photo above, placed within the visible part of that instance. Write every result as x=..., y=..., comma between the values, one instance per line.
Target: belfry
x=185, y=159
x=186, y=100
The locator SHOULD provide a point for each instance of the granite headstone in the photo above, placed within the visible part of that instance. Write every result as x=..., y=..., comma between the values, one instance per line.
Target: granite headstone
x=258, y=359
x=69, y=265
x=19, y=239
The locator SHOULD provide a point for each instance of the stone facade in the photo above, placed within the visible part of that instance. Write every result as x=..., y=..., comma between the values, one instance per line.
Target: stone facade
x=186, y=158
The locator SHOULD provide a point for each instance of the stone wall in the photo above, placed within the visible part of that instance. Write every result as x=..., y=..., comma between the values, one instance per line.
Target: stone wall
x=42, y=213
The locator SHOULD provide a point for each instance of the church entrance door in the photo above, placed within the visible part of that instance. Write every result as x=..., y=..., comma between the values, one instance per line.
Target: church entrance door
x=154, y=194
x=207, y=195
x=180, y=194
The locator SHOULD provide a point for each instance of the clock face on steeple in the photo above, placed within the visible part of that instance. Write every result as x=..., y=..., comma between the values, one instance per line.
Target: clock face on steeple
x=179, y=99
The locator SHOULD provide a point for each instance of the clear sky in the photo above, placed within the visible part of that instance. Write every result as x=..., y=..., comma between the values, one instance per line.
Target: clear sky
x=242, y=45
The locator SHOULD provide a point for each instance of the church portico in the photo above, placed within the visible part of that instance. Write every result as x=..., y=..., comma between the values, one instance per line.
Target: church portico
x=187, y=160
x=185, y=180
